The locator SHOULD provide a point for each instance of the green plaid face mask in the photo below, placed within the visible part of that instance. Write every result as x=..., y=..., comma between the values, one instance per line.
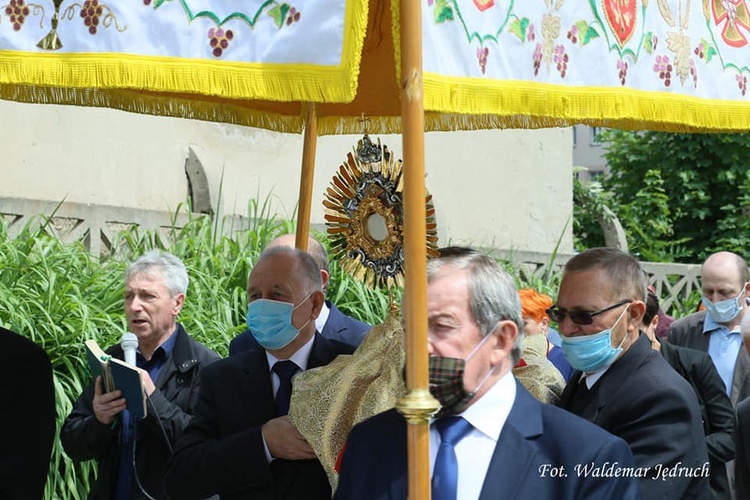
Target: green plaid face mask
x=447, y=385
x=447, y=382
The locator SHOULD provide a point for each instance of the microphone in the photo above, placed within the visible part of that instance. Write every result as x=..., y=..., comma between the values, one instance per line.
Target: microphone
x=129, y=343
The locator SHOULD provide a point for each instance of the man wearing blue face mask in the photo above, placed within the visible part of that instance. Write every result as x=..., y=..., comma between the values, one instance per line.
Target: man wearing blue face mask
x=241, y=443
x=725, y=287
x=620, y=383
x=331, y=323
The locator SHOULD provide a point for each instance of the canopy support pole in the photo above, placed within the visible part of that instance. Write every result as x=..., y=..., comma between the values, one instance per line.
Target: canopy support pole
x=418, y=405
x=307, y=178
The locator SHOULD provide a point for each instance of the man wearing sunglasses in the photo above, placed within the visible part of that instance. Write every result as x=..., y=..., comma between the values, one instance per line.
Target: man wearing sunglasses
x=620, y=383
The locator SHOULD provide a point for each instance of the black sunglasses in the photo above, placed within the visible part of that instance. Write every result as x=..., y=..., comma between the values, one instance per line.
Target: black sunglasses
x=580, y=317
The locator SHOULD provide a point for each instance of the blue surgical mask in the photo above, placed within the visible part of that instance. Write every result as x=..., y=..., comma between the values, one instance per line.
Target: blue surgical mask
x=723, y=311
x=590, y=353
x=270, y=322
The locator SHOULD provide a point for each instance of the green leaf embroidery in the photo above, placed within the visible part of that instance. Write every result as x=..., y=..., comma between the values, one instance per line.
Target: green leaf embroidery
x=710, y=53
x=648, y=43
x=158, y=3
x=443, y=11
x=518, y=27
x=278, y=14
x=591, y=33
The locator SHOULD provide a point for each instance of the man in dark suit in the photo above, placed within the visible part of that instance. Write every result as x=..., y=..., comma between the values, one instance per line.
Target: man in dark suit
x=240, y=443
x=620, y=383
x=725, y=288
x=331, y=323
x=27, y=417
x=742, y=444
x=716, y=410
x=509, y=446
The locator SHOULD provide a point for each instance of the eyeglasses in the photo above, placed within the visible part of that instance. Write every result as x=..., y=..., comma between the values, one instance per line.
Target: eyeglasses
x=581, y=317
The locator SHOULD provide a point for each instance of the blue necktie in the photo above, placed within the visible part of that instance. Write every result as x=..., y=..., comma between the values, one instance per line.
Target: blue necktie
x=445, y=472
x=285, y=370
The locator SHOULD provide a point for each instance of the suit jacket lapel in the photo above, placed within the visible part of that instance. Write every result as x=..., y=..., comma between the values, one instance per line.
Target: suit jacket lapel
x=322, y=352
x=256, y=389
x=333, y=323
x=741, y=367
x=567, y=395
x=514, y=454
x=611, y=382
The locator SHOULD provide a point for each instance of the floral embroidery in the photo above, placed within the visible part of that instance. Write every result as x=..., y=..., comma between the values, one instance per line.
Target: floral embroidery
x=734, y=15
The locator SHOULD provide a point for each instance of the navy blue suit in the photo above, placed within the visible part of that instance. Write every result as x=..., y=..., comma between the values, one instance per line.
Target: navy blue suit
x=221, y=451
x=374, y=464
x=338, y=327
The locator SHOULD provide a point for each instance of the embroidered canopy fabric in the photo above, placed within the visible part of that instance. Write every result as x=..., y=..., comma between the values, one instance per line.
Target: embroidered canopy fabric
x=658, y=64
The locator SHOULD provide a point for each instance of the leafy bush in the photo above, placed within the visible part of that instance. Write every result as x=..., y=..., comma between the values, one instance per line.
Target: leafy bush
x=700, y=183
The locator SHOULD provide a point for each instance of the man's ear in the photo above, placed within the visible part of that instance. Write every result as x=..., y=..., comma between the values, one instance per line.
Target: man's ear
x=324, y=277
x=505, y=334
x=179, y=301
x=317, y=298
x=635, y=314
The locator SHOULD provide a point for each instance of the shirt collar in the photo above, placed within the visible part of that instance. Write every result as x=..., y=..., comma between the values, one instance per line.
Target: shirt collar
x=489, y=413
x=300, y=358
x=320, y=321
x=166, y=347
x=709, y=325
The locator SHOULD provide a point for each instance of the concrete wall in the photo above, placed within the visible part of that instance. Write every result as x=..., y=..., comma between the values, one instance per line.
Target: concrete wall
x=504, y=189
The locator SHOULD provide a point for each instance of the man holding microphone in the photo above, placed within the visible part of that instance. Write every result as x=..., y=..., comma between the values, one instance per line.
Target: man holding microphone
x=170, y=363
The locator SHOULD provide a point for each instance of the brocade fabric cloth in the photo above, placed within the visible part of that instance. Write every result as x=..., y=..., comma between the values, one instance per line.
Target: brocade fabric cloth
x=328, y=401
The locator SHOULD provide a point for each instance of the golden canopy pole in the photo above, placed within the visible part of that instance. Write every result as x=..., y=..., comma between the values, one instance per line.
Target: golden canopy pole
x=307, y=178
x=418, y=405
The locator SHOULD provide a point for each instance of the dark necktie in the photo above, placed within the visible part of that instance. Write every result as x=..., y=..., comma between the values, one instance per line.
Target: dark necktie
x=445, y=472
x=285, y=370
x=581, y=397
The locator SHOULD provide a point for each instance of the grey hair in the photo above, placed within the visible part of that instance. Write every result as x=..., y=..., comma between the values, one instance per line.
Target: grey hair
x=623, y=271
x=308, y=266
x=171, y=268
x=493, y=296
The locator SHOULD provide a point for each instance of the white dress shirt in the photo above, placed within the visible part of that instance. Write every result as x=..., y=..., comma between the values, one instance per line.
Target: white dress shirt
x=487, y=417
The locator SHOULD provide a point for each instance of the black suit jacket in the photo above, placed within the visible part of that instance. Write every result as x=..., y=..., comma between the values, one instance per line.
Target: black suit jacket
x=688, y=332
x=716, y=410
x=222, y=452
x=641, y=399
x=535, y=435
x=742, y=443
x=338, y=327
x=27, y=417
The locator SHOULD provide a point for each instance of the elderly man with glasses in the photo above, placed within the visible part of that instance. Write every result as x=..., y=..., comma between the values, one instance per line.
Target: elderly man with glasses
x=620, y=383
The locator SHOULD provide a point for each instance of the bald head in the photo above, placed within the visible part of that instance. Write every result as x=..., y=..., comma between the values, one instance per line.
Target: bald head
x=726, y=262
x=314, y=248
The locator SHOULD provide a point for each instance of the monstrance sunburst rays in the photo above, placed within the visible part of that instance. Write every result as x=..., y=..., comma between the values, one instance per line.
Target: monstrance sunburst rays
x=365, y=216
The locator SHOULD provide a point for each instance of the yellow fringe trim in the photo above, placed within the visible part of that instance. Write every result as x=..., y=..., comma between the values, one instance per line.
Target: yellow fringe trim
x=226, y=79
x=520, y=104
x=453, y=103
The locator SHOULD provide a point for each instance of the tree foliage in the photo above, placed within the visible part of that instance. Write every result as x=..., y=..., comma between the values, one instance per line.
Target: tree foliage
x=685, y=193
